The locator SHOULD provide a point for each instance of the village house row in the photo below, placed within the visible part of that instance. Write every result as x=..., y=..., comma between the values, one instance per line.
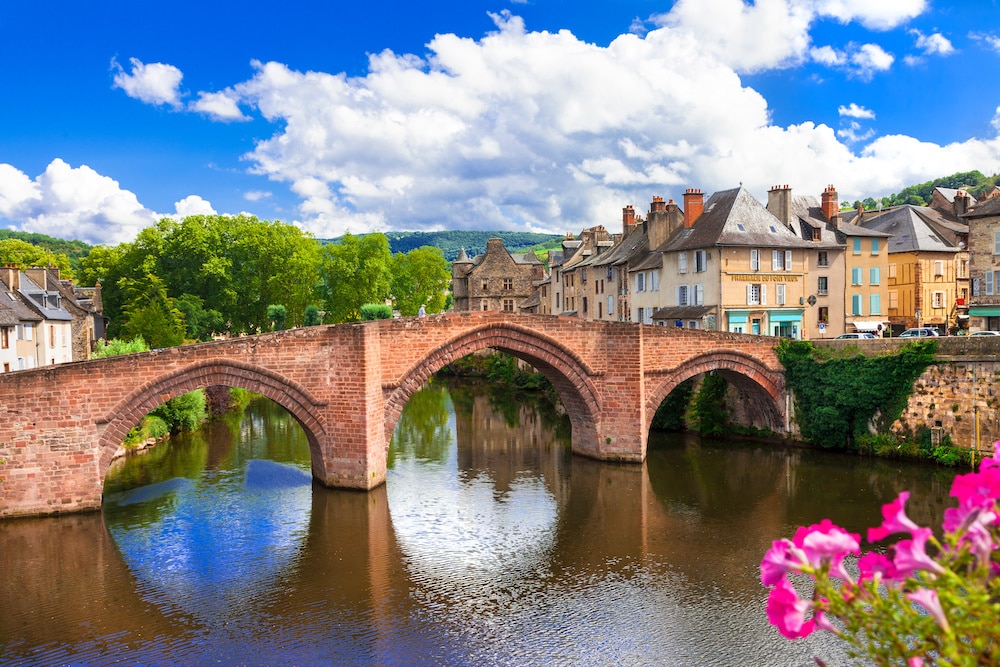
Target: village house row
x=45, y=319
x=797, y=267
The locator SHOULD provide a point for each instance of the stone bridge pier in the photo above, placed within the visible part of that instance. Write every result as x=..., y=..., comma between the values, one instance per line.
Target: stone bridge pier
x=347, y=384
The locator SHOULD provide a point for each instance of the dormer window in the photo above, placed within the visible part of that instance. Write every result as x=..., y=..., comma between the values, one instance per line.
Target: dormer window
x=816, y=233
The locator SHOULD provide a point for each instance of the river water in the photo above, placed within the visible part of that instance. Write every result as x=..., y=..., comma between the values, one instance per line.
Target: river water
x=490, y=544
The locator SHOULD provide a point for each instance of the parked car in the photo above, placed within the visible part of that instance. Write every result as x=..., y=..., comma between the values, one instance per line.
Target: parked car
x=859, y=334
x=919, y=333
x=986, y=333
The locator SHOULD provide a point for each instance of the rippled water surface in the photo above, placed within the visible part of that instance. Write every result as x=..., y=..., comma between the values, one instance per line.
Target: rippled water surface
x=490, y=544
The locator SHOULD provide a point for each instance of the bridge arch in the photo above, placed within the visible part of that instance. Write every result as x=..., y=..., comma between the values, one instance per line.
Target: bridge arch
x=289, y=394
x=569, y=375
x=764, y=387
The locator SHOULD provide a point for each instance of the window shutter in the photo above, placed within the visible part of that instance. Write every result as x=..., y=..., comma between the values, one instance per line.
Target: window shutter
x=788, y=260
x=754, y=259
x=749, y=294
x=763, y=294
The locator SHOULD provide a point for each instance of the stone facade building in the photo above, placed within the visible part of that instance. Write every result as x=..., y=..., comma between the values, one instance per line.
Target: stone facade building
x=984, y=270
x=495, y=280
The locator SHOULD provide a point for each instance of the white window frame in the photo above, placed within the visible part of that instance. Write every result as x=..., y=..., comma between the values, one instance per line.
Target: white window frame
x=996, y=241
x=700, y=261
x=640, y=282
x=989, y=283
x=654, y=281
x=756, y=294
x=779, y=294
x=938, y=299
x=754, y=259
x=683, y=295
x=682, y=262
x=699, y=294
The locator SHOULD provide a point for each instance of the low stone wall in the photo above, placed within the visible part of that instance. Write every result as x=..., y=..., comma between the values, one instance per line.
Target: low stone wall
x=960, y=389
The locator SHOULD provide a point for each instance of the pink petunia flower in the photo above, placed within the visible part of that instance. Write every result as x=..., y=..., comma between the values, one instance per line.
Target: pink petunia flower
x=928, y=599
x=877, y=567
x=894, y=519
x=911, y=555
x=782, y=557
x=787, y=612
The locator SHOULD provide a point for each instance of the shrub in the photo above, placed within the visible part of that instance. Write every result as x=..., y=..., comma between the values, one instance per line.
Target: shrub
x=376, y=311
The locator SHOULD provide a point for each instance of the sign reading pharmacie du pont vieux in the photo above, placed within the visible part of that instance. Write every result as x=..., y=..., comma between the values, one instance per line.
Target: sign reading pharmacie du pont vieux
x=764, y=277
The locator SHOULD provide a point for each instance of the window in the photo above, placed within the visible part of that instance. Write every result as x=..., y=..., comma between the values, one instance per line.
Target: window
x=756, y=294
x=640, y=282
x=654, y=281
x=699, y=294
x=989, y=282
x=857, y=245
x=856, y=304
x=779, y=294
x=893, y=300
x=508, y=283
x=781, y=260
x=700, y=261
x=611, y=304
x=817, y=234
x=754, y=259
x=856, y=275
x=963, y=268
x=996, y=241
x=938, y=267
x=892, y=270
x=822, y=286
x=558, y=300
x=52, y=336
x=5, y=338
x=486, y=285
x=874, y=276
x=584, y=304
x=600, y=313
x=874, y=304
x=682, y=295
x=824, y=315
x=822, y=258
x=682, y=262
x=937, y=300
x=874, y=246
x=485, y=304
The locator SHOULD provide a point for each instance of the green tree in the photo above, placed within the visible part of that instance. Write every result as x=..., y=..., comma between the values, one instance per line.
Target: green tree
x=355, y=271
x=312, y=316
x=276, y=314
x=117, y=346
x=199, y=323
x=26, y=255
x=421, y=276
x=148, y=312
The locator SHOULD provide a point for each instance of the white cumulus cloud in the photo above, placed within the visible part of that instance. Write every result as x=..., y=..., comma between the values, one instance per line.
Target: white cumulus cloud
x=218, y=106
x=852, y=110
x=156, y=83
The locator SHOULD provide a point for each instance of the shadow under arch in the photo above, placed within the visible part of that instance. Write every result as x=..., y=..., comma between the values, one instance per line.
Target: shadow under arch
x=569, y=375
x=286, y=393
x=762, y=386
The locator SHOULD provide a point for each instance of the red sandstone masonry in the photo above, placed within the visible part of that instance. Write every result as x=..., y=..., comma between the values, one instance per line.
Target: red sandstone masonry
x=347, y=384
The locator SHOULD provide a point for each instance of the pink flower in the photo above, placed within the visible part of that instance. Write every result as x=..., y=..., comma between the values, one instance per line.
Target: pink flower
x=985, y=483
x=823, y=623
x=787, y=612
x=894, y=519
x=782, y=557
x=911, y=555
x=824, y=540
x=915, y=661
x=877, y=567
x=928, y=599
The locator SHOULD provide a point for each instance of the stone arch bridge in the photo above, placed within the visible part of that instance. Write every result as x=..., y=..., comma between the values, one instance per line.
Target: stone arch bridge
x=347, y=384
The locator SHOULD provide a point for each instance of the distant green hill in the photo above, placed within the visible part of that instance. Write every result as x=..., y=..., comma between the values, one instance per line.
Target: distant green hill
x=75, y=250
x=474, y=243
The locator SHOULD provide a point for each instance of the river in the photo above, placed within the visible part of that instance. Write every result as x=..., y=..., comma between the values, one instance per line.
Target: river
x=489, y=544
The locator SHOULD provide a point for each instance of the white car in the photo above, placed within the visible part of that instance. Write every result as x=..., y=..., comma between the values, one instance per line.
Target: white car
x=986, y=333
x=859, y=334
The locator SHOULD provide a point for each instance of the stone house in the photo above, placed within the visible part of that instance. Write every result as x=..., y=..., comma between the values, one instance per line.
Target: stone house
x=984, y=269
x=495, y=280
x=44, y=333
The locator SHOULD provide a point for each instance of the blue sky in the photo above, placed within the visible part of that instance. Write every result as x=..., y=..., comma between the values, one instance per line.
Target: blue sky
x=536, y=115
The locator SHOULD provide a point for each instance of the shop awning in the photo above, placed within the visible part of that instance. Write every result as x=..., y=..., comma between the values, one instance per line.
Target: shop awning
x=786, y=316
x=869, y=326
x=985, y=311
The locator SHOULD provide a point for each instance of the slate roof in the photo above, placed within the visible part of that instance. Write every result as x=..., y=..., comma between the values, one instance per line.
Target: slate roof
x=36, y=299
x=990, y=206
x=949, y=195
x=15, y=303
x=682, y=312
x=631, y=248
x=734, y=218
x=910, y=232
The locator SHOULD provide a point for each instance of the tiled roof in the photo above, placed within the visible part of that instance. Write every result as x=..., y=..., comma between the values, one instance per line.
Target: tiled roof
x=681, y=312
x=734, y=218
x=909, y=231
x=990, y=206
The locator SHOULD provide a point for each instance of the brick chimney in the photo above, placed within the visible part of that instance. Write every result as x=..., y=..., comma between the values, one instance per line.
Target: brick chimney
x=11, y=275
x=694, y=205
x=961, y=203
x=628, y=219
x=830, y=204
x=658, y=222
x=779, y=203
